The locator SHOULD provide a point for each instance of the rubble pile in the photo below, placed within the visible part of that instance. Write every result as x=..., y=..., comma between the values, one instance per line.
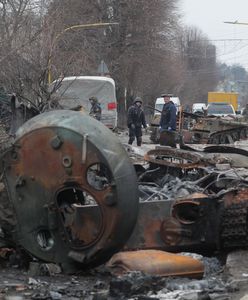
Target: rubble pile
x=99, y=284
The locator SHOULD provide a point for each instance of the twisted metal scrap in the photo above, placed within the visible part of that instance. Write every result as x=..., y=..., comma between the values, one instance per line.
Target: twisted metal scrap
x=175, y=158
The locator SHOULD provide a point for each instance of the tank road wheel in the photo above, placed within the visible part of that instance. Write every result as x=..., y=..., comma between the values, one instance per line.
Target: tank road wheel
x=73, y=188
x=215, y=139
x=222, y=139
x=243, y=134
x=235, y=136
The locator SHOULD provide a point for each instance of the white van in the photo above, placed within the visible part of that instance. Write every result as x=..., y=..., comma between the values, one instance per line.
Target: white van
x=76, y=90
x=160, y=103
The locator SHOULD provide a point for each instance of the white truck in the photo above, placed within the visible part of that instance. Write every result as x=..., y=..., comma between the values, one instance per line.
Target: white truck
x=76, y=90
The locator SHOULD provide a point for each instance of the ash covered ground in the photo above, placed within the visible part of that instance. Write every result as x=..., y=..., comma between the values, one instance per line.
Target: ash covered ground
x=39, y=282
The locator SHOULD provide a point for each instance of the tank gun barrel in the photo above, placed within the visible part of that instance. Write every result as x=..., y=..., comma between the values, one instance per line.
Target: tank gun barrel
x=236, y=123
x=155, y=109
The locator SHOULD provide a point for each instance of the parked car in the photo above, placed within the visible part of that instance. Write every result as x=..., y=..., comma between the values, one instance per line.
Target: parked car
x=220, y=109
x=198, y=108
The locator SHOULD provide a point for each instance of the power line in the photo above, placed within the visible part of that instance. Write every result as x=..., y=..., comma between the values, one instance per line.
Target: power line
x=224, y=40
x=232, y=51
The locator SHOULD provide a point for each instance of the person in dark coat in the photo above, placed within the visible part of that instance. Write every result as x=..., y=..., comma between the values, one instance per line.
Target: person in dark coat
x=95, y=110
x=135, y=120
x=168, y=123
x=168, y=119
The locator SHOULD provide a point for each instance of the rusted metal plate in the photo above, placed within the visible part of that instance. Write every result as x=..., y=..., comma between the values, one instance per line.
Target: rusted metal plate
x=57, y=167
x=177, y=225
x=197, y=223
x=146, y=234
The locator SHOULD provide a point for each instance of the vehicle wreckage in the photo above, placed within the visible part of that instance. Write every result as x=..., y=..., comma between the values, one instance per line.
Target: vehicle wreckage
x=74, y=198
x=218, y=130
x=200, y=129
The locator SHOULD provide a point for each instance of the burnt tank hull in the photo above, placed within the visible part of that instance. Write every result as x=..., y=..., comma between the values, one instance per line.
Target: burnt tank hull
x=57, y=169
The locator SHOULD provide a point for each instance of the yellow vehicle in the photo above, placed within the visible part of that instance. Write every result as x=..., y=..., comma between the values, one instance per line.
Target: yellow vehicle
x=222, y=97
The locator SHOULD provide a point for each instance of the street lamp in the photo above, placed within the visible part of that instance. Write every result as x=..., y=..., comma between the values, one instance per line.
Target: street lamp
x=235, y=22
x=82, y=26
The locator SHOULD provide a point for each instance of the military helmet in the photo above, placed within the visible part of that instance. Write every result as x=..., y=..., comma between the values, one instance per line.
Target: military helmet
x=137, y=99
x=93, y=99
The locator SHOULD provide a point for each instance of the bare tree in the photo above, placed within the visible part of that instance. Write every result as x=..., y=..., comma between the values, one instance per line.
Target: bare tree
x=143, y=54
x=79, y=48
x=200, y=67
x=147, y=53
x=23, y=63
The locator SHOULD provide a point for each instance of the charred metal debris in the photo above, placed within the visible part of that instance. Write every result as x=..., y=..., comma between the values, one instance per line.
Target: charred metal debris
x=73, y=198
x=214, y=130
x=191, y=200
x=201, y=129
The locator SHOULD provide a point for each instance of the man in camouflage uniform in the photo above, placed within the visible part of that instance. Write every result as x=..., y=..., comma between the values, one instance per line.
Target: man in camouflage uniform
x=135, y=120
x=95, y=111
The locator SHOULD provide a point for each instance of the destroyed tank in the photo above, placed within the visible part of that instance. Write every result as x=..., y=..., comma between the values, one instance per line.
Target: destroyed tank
x=216, y=130
x=85, y=203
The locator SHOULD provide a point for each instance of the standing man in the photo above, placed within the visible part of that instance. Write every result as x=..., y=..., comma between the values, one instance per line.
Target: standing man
x=168, y=119
x=95, y=110
x=135, y=120
x=168, y=122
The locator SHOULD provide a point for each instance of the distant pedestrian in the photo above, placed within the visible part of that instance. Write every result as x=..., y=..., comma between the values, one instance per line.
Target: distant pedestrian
x=95, y=110
x=168, y=122
x=135, y=121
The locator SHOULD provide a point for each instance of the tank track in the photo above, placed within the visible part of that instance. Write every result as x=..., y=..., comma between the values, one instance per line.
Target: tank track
x=234, y=227
x=228, y=136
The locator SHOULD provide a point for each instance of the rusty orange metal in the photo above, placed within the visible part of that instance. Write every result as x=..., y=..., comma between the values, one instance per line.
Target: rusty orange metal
x=171, y=231
x=57, y=172
x=236, y=197
x=155, y=262
x=171, y=157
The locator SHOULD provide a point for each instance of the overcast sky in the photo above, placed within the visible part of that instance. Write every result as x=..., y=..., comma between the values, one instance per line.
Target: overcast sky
x=209, y=15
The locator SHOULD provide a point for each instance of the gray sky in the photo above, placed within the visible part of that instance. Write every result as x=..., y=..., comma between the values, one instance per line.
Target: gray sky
x=209, y=15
